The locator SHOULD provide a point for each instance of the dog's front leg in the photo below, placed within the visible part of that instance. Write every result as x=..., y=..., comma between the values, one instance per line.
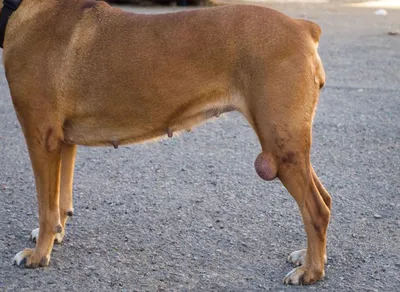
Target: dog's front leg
x=44, y=145
x=68, y=154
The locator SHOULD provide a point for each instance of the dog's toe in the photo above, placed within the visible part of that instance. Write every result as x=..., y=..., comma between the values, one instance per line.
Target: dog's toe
x=35, y=235
x=20, y=258
x=302, y=276
x=295, y=277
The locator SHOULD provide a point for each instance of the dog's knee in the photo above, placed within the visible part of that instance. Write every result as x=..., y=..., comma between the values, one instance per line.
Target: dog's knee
x=266, y=166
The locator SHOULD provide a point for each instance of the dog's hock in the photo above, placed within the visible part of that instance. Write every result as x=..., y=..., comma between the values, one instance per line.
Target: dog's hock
x=265, y=166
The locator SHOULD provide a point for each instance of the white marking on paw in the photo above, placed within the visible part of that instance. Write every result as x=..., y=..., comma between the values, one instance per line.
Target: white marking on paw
x=35, y=235
x=18, y=258
x=297, y=257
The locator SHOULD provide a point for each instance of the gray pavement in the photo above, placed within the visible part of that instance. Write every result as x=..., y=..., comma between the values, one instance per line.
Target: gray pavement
x=190, y=213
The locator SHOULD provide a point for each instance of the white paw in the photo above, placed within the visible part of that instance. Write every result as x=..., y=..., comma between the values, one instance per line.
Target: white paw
x=298, y=257
x=302, y=276
x=35, y=235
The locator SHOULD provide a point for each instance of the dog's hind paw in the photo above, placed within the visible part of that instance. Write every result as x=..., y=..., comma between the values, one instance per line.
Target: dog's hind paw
x=298, y=257
x=35, y=235
x=302, y=276
x=28, y=259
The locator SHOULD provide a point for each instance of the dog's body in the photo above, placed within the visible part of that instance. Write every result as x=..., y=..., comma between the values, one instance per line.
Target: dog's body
x=83, y=73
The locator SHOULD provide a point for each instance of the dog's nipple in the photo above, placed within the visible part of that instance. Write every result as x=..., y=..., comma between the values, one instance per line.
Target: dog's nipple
x=115, y=144
x=170, y=133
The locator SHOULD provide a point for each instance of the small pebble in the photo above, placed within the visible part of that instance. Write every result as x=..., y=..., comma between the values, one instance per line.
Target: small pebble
x=382, y=12
x=377, y=216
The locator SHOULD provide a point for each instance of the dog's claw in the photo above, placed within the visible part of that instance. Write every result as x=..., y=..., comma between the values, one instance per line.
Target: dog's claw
x=295, y=277
x=21, y=263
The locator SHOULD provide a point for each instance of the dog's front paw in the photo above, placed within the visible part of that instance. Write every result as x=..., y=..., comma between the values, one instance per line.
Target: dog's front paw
x=28, y=259
x=302, y=276
x=35, y=235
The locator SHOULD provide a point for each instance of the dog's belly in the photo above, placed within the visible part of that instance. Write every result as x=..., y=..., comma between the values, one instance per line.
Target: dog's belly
x=81, y=132
x=111, y=131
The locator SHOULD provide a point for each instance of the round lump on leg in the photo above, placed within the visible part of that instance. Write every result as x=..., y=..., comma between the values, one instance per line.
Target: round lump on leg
x=265, y=166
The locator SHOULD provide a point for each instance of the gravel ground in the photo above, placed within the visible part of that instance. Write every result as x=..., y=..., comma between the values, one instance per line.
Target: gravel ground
x=190, y=213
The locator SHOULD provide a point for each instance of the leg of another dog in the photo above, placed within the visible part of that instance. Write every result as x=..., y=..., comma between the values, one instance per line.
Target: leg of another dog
x=44, y=145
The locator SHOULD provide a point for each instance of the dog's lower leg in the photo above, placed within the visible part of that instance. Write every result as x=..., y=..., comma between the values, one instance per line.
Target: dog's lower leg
x=68, y=154
x=45, y=152
x=298, y=257
x=298, y=179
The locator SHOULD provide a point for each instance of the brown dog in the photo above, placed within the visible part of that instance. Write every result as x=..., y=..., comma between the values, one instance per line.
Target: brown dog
x=83, y=73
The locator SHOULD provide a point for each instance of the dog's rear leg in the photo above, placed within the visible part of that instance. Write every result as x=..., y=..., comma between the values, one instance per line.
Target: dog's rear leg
x=300, y=183
x=44, y=145
x=68, y=154
x=282, y=117
x=291, y=164
x=286, y=155
x=298, y=257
